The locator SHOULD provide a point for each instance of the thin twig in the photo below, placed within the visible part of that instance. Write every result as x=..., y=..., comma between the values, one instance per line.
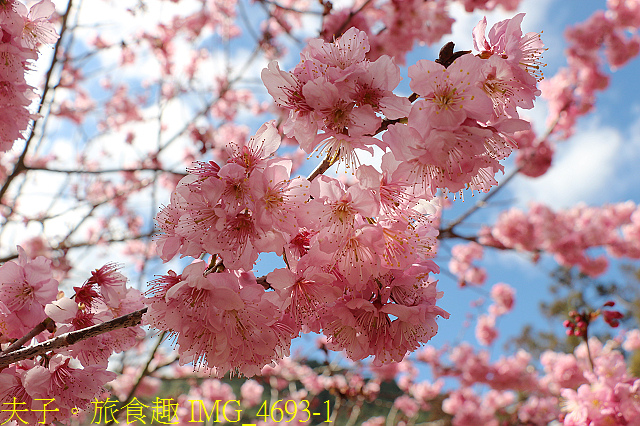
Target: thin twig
x=30, y=335
x=291, y=9
x=72, y=337
x=482, y=203
x=114, y=170
x=346, y=22
x=20, y=166
x=586, y=341
x=322, y=167
x=143, y=374
x=64, y=246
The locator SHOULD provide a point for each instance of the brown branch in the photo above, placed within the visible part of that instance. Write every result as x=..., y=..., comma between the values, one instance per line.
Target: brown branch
x=11, y=355
x=290, y=9
x=116, y=170
x=263, y=282
x=322, y=167
x=480, y=204
x=450, y=233
x=30, y=335
x=20, y=166
x=585, y=337
x=352, y=13
x=72, y=337
x=145, y=372
x=99, y=241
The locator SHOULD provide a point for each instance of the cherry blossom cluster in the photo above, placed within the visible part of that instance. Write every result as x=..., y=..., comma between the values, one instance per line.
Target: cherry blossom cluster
x=27, y=287
x=612, y=34
x=534, y=155
x=22, y=31
x=503, y=299
x=569, y=234
x=609, y=394
x=465, y=118
x=461, y=264
x=72, y=376
x=568, y=389
x=358, y=256
x=591, y=386
x=224, y=320
x=456, y=133
x=101, y=298
x=348, y=270
x=359, y=252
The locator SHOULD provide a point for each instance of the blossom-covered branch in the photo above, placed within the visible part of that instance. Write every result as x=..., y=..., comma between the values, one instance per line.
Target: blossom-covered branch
x=72, y=337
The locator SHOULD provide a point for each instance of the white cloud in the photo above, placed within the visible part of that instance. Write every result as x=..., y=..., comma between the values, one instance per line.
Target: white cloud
x=584, y=169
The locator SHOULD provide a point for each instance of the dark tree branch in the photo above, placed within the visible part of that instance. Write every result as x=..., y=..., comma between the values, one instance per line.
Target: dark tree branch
x=145, y=372
x=116, y=170
x=47, y=323
x=323, y=167
x=72, y=337
x=20, y=166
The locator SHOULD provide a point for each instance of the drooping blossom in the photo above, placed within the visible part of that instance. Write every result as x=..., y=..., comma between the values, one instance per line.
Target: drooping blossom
x=243, y=329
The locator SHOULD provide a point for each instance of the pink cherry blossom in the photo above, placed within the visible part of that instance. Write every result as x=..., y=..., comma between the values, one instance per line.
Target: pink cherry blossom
x=534, y=156
x=358, y=258
x=123, y=384
x=337, y=111
x=69, y=385
x=251, y=392
x=336, y=211
x=486, y=331
x=244, y=329
x=25, y=288
x=504, y=88
x=408, y=22
x=12, y=389
x=503, y=296
x=544, y=229
x=276, y=198
x=260, y=147
x=632, y=340
x=450, y=94
x=375, y=87
x=506, y=39
x=407, y=405
x=462, y=256
x=305, y=295
x=38, y=29
x=112, y=283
